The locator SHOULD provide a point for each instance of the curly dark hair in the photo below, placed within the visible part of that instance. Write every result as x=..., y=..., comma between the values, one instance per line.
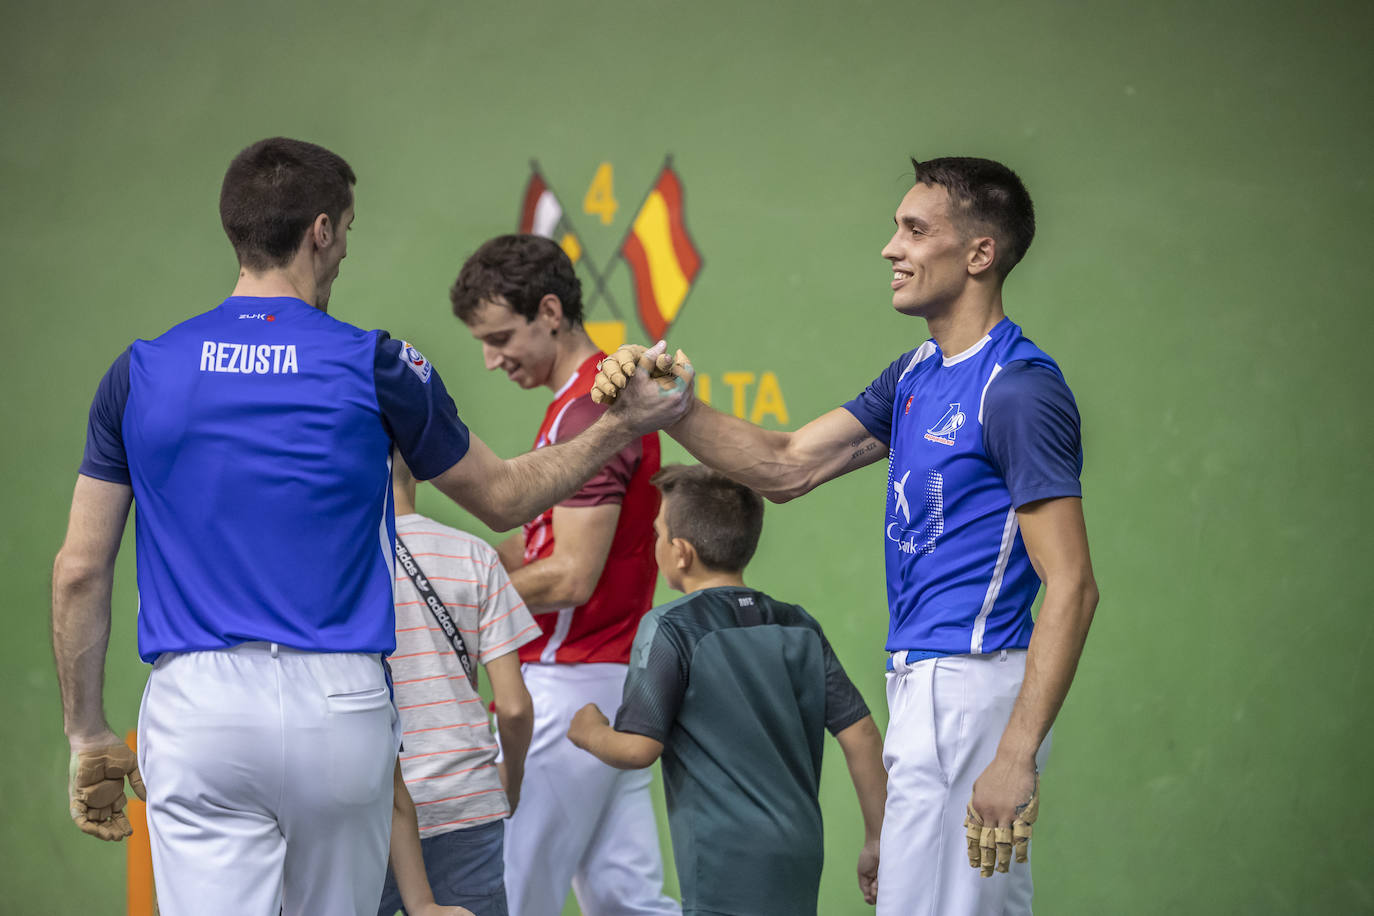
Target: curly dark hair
x=521, y=269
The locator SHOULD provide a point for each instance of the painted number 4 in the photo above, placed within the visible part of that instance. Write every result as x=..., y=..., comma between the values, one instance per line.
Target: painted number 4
x=600, y=200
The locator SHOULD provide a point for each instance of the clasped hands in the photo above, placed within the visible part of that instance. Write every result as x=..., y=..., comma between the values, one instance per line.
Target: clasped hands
x=615, y=371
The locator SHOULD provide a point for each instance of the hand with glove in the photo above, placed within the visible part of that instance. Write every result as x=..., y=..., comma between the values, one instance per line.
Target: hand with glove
x=95, y=787
x=615, y=371
x=992, y=832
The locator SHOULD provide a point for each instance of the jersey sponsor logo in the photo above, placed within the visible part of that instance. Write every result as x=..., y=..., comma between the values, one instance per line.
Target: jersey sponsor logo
x=260, y=316
x=899, y=491
x=417, y=363
x=944, y=431
x=918, y=539
x=248, y=359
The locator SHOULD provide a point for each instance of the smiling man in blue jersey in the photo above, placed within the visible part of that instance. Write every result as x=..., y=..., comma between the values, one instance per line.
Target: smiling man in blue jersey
x=254, y=442
x=983, y=505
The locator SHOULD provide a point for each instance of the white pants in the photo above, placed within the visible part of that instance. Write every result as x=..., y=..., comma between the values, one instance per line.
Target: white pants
x=579, y=821
x=269, y=775
x=946, y=717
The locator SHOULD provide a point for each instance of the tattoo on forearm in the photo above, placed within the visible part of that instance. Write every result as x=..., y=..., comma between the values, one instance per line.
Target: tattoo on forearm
x=864, y=450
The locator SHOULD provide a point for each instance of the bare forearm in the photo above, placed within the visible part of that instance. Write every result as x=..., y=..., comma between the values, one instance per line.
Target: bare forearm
x=515, y=731
x=535, y=481
x=80, y=639
x=545, y=587
x=863, y=754
x=1055, y=647
x=779, y=465
x=407, y=857
x=621, y=750
x=511, y=552
x=749, y=454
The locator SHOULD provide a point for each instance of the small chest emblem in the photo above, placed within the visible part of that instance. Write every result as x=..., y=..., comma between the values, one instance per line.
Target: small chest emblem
x=944, y=431
x=907, y=411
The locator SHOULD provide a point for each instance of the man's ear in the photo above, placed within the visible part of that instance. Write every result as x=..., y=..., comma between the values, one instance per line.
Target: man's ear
x=982, y=254
x=322, y=231
x=551, y=311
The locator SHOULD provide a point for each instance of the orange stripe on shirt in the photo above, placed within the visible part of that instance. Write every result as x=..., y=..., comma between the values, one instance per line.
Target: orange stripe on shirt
x=457, y=750
x=456, y=797
x=487, y=650
x=447, y=775
x=498, y=619
x=466, y=820
x=440, y=728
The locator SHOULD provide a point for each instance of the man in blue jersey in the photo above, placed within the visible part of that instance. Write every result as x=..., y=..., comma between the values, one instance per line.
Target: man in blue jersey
x=983, y=505
x=254, y=442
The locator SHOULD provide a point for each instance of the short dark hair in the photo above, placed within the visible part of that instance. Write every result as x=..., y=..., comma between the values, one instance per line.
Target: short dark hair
x=521, y=269
x=273, y=191
x=986, y=196
x=721, y=519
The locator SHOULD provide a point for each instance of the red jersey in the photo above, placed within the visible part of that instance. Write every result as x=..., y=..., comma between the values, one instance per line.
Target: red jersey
x=603, y=629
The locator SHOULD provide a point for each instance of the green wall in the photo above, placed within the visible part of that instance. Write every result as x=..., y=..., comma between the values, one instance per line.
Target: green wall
x=1201, y=175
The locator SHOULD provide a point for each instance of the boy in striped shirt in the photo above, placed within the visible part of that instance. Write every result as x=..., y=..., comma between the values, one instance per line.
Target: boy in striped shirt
x=449, y=759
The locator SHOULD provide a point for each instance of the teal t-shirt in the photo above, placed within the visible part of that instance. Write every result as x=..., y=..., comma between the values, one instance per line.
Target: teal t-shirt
x=740, y=689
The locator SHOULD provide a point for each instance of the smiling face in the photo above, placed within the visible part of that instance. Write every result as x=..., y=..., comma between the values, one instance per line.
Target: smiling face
x=524, y=350
x=931, y=257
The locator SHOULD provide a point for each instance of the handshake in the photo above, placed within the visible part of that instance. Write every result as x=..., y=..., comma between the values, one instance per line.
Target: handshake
x=613, y=374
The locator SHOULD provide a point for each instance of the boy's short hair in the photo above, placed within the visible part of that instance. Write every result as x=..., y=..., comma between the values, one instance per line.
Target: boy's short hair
x=721, y=519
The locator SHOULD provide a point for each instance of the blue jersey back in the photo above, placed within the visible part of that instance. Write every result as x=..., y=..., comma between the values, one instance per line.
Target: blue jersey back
x=260, y=460
x=958, y=576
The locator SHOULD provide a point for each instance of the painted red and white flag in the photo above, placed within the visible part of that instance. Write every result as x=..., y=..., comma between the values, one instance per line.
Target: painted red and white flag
x=541, y=212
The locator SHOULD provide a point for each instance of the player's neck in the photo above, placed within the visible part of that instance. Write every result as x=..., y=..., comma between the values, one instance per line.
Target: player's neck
x=966, y=322
x=574, y=348
x=695, y=580
x=295, y=280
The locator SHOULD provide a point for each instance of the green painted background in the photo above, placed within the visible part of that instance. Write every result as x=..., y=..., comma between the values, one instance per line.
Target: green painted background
x=1201, y=172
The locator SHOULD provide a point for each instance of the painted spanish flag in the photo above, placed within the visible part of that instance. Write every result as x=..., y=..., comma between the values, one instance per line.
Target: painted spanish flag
x=542, y=214
x=661, y=255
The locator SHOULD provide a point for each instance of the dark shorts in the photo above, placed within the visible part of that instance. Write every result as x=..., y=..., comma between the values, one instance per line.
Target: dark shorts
x=465, y=868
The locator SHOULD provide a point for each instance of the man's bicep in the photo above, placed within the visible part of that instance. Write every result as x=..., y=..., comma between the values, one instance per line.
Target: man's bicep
x=470, y=481
x=1056, y=539
x=833, y=444
x=582, y=535
x=100, y=509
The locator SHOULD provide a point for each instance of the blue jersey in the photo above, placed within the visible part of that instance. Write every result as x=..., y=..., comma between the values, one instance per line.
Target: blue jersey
x=257, y=439
x=971, y=438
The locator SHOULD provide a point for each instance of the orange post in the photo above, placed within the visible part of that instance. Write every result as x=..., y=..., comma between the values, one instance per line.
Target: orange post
x=141, y=898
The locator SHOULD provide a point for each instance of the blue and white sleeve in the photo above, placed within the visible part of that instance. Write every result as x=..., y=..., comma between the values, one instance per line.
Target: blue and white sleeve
x=1032, y=433
x=873, y=406
x=105, y=457
x=419, y=414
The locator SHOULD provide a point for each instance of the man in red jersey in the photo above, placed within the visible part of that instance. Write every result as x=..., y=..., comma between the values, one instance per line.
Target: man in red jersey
x=586, y=569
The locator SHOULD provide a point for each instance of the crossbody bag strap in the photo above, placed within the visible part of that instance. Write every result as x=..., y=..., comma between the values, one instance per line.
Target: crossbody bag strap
x=436, y=607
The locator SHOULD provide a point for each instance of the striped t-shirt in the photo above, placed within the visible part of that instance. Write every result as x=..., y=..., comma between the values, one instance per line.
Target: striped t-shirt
x=449, y=756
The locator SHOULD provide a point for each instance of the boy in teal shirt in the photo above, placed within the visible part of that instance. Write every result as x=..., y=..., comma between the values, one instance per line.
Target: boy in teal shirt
x=735, y=691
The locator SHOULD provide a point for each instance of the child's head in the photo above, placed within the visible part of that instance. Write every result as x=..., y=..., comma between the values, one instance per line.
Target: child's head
x=706, y=523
